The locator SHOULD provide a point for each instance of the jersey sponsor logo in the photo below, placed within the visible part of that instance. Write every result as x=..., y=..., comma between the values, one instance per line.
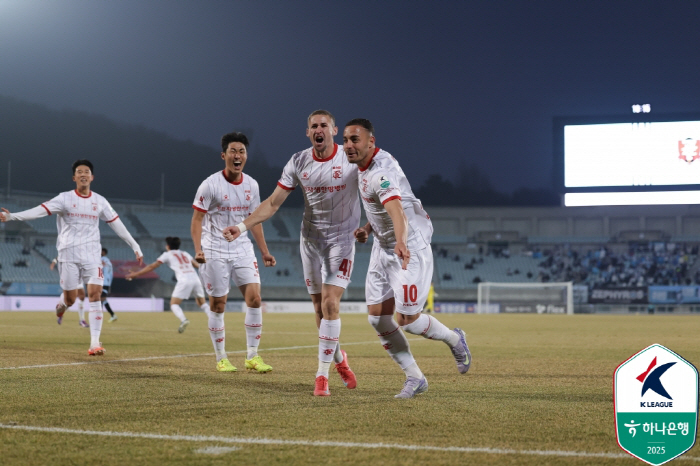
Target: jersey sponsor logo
x=369, y=200
x=91, y=217
x=689, y=150
x=237, y=208
x=324, y=189
x=384, y=182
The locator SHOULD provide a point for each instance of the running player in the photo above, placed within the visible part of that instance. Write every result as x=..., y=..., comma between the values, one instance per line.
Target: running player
x=78, y=213
x=331, y=215
x=226, y=198
x=108, y=271
x=188, y=282
x=81, y=299
x=401, y=264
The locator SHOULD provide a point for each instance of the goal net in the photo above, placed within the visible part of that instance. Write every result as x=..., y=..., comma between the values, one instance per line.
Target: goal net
x=540, y=298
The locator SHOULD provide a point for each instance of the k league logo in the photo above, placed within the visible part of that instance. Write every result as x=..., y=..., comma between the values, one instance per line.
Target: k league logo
x=656, y=405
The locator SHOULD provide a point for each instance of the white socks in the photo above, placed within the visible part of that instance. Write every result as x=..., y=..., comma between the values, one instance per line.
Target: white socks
x=205, y=307
x=395, y=343
x=431, y=328
x=337, y=356
x=217, y=334
x=328, y=336
x=177, y=310
x=253, y=330
x=95, y=323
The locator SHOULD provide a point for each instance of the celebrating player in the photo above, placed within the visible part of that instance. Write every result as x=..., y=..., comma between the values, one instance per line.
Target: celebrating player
x=226, y=198
x=188, y=282
x=331, y=215
x=78, y=213
x=401, y=264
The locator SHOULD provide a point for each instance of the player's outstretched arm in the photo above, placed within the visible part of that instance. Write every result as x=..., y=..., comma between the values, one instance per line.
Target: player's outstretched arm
x=124, y=234
x=268, y=259
x=144, y=270
x=362, y=233
x=196, y=233
x=31, y=214
x=265, y=210
x=395, y=210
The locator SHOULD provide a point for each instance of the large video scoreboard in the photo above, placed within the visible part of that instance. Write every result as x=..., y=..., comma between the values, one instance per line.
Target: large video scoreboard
x=625, y=160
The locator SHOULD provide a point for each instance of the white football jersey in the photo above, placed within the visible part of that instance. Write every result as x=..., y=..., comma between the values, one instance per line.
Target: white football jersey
x=381, y=181
x=226, y=204
x=180, y=262
x=77, y=219
x=332, y=208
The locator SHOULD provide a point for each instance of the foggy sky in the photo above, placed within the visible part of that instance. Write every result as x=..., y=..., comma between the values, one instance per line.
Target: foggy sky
x=445, y=83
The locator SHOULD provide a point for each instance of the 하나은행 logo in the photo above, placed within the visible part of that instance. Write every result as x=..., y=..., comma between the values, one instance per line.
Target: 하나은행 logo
x=655, y=396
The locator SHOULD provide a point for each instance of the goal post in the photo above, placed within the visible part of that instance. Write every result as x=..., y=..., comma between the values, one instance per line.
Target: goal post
x=541, y=298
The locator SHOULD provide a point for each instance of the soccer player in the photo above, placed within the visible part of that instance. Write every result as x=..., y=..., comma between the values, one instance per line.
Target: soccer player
x=226, y=198
x=108, y=272
x=401, y=264
x=78, y=213
x=81, y=299
x=188, y=282
x=331, y=215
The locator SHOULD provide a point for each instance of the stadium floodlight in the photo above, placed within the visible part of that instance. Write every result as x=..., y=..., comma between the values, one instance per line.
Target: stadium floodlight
x=641, y=108
x=540, y=298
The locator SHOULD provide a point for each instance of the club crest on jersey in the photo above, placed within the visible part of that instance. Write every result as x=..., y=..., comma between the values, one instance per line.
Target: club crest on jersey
x=384, y=182
x=689, y=150
x=337, y=172
x=94, y=207
x=247, y=194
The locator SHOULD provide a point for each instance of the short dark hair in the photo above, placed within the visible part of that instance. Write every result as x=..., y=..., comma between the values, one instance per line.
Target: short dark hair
x=104, y=250
x=320, y=112
x=173, y=242
x=235, y=136
x=85, y=162
x=364, y=122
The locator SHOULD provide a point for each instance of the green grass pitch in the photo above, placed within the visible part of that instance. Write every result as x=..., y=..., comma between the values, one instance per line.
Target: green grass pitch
x=539, y=392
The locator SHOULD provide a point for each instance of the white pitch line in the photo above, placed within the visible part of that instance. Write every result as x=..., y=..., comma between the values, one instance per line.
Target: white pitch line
x=318, y=443
x=149, y=358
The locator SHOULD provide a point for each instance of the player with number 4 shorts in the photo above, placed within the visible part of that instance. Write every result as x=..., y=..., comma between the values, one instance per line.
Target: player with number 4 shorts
x=401, y=265
x=331, y=215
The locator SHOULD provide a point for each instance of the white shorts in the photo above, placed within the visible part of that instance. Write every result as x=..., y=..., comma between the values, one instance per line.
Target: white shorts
x=218, y=273
x=409, y=288
x=329, y=264
x=185, y=288
x=74, y=274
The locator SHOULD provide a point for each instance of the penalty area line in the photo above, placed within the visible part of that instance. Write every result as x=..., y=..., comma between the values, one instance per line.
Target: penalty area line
x=177, y=356
x=319, y=443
